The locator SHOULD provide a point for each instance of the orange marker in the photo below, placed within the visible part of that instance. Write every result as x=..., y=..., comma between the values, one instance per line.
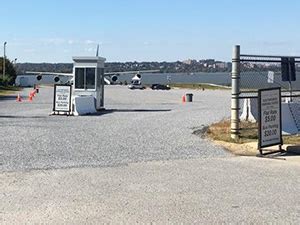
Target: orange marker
x=19, y=99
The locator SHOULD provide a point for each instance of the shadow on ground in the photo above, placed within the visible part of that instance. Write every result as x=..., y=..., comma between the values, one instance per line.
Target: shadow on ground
x=22, y=117
x=108, y=111
x=8, y=97
x=290, y=152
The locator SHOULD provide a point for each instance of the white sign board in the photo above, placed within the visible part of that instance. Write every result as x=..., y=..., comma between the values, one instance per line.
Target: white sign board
x=270, y=77
x=269, y=103
x=62, y=98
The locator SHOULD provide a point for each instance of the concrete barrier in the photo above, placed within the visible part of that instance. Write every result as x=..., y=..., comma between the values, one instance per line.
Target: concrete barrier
x=84, y=105
x=289, y=111
x=250, y=111
x=288, y=122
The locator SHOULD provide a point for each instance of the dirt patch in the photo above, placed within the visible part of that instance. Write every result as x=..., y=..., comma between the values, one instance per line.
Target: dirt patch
x=246, y=149
x=200, y=86
x=202, y=131
x=246, y=145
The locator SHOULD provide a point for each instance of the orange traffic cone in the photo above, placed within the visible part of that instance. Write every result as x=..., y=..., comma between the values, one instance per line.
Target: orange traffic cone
x=30, y=97
x=183, y=99
x=19, y=99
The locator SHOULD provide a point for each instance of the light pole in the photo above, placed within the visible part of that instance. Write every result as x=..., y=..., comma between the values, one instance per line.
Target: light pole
x=15, y=64
x=4, y=59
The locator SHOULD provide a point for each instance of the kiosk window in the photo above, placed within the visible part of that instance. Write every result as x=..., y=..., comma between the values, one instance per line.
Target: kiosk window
x=85, y=78
x=79, y=78
x=90, y=78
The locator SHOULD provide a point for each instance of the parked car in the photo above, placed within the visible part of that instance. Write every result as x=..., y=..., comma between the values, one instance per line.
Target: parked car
x=136, y=84
x=160, y=87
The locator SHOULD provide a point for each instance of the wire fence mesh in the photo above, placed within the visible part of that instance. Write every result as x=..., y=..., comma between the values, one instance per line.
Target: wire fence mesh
x=260, y=72
x=257, y=73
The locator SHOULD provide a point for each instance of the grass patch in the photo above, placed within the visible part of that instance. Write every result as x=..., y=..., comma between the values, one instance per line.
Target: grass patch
x=6, y=90
x=221, y=132
x=292, y=139
x=199, y=86
x=249, y=133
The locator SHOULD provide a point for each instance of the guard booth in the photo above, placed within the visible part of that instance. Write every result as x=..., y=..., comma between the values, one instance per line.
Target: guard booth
x=88, y=84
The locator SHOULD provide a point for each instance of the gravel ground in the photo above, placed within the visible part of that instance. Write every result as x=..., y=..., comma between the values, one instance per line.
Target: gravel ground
x=233, y=190
x=137, y=126
x=138, y=162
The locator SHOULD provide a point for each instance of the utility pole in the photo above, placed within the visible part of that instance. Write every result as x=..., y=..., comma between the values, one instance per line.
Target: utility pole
x=15, y=64
x=4, y=59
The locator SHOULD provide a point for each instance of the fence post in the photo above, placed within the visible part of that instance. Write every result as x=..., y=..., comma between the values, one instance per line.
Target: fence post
x=235, y=92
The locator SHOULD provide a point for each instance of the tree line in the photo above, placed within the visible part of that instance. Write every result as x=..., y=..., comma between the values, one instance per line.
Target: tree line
x=163, y=67
x=10, y=73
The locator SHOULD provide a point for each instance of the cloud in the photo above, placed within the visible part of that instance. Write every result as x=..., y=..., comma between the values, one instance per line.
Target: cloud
x=58, y=41
x=29, y=50
x=275, y=43
x=90, y=42
x=71, y=42
x=90, y=49
x=267, y=43
x=54, y=41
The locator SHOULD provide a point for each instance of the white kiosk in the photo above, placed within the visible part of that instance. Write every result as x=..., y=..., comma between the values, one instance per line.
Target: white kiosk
x=88, y=85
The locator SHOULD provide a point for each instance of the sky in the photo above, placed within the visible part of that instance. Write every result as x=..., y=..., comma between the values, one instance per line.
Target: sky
x=147, y=30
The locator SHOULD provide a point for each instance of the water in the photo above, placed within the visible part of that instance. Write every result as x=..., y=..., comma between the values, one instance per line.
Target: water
x=175, y=78
x=249, y=80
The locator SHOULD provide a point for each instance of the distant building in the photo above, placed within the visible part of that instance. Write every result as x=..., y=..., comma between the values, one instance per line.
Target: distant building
x=220, y=65
x=210, y=61
x=189, y=61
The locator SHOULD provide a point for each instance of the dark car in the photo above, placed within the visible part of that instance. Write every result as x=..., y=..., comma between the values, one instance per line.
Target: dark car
x=160, y=87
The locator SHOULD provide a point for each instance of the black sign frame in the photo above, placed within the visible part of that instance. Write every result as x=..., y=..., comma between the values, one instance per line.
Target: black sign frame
x=70, y=98
x=280, y=143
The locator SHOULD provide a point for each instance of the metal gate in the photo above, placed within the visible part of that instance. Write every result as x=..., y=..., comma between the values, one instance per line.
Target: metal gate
x=253, y=72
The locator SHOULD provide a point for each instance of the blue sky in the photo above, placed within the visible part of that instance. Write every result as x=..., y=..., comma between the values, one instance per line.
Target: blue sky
x=147, y=30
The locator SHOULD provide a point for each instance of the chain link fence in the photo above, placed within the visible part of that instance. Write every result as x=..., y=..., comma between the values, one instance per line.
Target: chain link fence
x=260, y=72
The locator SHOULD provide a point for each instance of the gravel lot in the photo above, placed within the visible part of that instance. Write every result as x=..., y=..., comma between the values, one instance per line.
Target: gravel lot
x=136, y=163
x=137, y=126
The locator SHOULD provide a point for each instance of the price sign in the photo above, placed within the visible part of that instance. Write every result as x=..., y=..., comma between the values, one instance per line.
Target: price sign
x=271, y=77
x=269, y=109
x=62, y=98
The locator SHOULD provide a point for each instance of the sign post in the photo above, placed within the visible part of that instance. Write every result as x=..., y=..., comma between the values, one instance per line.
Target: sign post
x=288, y=72
x=269, y=119
x=62, y=98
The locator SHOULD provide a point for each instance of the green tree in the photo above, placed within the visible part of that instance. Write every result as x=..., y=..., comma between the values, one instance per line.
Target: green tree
x=10, y=72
